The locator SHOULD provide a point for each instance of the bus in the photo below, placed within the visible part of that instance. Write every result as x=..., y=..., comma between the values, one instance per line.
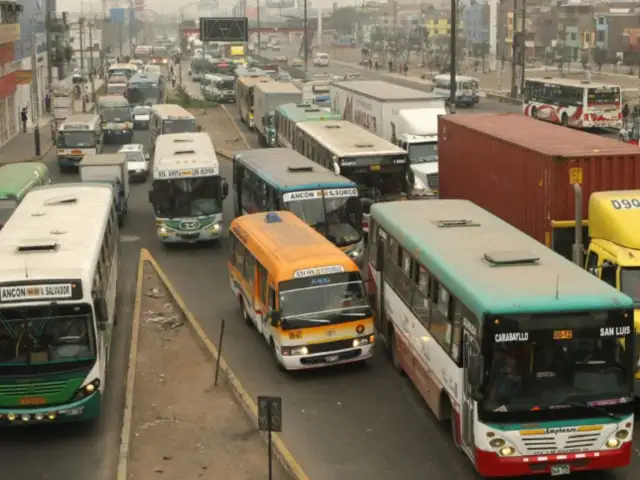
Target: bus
x=187, y=191
x=287, y=116
x=58, y=284
x=160, y=56
x=244, y=97
x=143, y=53
x=78, y=136
x=125, y=69
x=145, y=89
x=467, y=91
x=117, y=119
x=16, y=180
x=282, y=179
x=169, y=118
x=526, y=355
x=573, y=103
x=378, y=167
x=300, y=292
x=218, y=88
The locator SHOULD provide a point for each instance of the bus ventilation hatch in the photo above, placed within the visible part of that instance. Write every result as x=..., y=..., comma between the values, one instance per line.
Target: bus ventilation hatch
x=64, y=200
x=303, y=105
x=511, y=257
x=300, y=169
x=456, y=223
x=37, y=246
x=311, y=110
x=182, y=140
x=184, y=152
x=364, y=145
x=272, y=217
x=332, y=126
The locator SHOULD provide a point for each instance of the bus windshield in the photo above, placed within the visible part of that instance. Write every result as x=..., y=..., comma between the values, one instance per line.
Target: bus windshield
x=7, y=206
x=116, y=114
x=181, y=125
x=188, y=197
x=80, y=139
x=331, y=299
x=555, y=361
x=337, y=218
x=45, y=335
x=603, y=96
x=224, y=84
x=142, y=93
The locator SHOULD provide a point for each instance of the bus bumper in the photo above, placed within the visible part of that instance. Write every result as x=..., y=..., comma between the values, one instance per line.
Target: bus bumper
x=327, y=359
x=68, y=162
x=121, y=136
x=190, y=237
x=86, y=409
x=490, y=464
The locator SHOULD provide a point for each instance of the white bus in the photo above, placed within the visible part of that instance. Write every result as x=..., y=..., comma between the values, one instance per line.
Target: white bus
x=467, y=93
x=378, y=167
x=573, y=103
x=125, y=69
x=527, y=356
x=78, y=136
x=168, y=118
x=187, y=192
x=59, y=262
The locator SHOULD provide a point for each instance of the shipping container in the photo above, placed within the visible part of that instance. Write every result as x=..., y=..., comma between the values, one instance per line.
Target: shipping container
x=522, y=170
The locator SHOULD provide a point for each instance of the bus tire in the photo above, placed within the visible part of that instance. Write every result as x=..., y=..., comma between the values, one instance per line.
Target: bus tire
x=534, y=113
x=565, y=120
x=394, y=354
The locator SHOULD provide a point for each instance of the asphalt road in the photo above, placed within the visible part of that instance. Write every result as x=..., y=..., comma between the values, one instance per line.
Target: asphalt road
x=84, y=451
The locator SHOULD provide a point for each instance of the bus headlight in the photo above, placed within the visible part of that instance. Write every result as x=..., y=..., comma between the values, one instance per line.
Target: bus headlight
x=497, y=443
x=87, y=390
x=507, y=451
x=622, y=434
x=294, y=351
x=613, y=443
x=363, y=341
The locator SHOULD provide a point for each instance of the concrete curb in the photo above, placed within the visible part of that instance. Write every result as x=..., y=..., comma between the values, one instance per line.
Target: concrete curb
x=225, y=153
x=241, y=394
x=504, y=99
x=127, y=418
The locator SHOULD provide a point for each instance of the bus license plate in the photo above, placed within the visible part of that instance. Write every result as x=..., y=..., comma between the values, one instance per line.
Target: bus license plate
x=560, y=470
x=331, y=358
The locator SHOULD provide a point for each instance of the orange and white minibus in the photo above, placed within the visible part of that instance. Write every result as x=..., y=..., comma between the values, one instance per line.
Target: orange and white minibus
x=301, y=292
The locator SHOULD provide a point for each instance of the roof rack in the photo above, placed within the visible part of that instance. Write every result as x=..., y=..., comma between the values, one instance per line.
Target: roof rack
x=456, y=223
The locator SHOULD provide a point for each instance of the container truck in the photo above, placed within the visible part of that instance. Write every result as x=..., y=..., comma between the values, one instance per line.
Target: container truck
x=266, y=97
x=404, y=116
x=110, y=168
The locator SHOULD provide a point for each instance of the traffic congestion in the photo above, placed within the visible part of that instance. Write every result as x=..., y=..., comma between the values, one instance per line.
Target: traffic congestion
x=427, y=292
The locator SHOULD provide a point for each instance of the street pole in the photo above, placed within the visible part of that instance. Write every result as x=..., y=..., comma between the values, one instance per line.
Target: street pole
x=35, y=107
x=132, y=25
x=514, y=50
x=91, y=72
x=120, y=39
x=523, y=47
x=306, y=40
x=452, y=56
x=49, y=49
x=258, y=15
x=81, y=28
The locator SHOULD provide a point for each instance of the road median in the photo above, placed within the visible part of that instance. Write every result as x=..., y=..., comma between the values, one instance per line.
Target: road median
x=225, y=133
x=177, y=423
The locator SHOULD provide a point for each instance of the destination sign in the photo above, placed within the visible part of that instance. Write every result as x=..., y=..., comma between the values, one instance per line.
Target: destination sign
x=186, y=173
x=23, y=293
x=312, y=272
x=304, y=195
x=341, y=192
x=615, y=331
x=76, y=126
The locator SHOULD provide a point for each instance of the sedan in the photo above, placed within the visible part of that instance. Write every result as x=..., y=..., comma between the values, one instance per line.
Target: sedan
x=137, y=162
x=297, y=62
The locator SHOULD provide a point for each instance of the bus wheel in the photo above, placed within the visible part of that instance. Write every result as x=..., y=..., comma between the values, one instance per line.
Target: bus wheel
x=534, y=113
x=394, y=352
x=565, y=120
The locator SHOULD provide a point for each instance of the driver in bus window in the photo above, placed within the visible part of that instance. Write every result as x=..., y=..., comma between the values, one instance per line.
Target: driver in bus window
x=507, y=380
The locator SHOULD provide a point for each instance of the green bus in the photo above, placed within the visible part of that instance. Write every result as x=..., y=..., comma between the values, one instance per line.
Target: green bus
x=16, y=180
x=290, y=114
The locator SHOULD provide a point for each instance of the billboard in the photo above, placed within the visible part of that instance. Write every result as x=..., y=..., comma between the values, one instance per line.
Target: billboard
x=281, y=3
x=224, y=29
x=117, y=15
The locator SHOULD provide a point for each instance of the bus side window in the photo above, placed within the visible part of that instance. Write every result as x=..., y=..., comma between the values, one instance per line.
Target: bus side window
x=238, y=256
x=272, y=298
x=592, y=263
x=609, y=273
x=440, y=326
x=248, y=270
x=262, y=283
x=456, y=341
x=373, y=244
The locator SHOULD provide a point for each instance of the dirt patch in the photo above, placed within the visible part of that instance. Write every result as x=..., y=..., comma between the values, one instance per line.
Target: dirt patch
x=184, y=427
x=223, y=132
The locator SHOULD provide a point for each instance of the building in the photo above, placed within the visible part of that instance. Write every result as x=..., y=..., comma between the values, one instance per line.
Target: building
x=9, y=34
x=617, y=29
x=476, y=28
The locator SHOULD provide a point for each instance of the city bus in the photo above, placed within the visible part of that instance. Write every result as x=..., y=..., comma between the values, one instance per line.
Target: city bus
x=300, y=292
x=529, y=357
x=378, y=167
x=16, y=180
x=127, y=70
x=282, y=179
x=573, y=103
x=79, y=135
x=287, y=116
x=143, y=53
x=187, y=191
x=169, y=118
x=145, y=88
x=244, y=97
x=116, y=118
x=59, y=262
x=467, y=92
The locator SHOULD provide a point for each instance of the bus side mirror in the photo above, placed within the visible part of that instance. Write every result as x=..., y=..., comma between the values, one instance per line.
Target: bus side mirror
x=476, y=370
x=275, y=318
x=152, y=196
x=225, y=189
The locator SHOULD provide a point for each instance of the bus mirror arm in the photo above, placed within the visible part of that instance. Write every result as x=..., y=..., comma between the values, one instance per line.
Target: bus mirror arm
x=225, y=188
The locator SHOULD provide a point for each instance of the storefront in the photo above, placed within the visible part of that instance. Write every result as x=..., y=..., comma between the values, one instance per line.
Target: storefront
x=8, y=120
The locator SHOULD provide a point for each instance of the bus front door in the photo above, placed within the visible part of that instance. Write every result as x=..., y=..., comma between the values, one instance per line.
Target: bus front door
x=467, y=408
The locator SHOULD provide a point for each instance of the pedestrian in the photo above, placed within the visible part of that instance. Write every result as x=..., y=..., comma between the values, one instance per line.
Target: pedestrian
x=390, y=65
x=377, y=65
x=23, y=118
x=625, y=115
x=405, y=68
x=370, y=62
x=47, y=103
x=173, y=81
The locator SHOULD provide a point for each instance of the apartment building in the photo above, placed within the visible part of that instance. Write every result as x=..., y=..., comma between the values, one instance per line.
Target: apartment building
x=9, y=34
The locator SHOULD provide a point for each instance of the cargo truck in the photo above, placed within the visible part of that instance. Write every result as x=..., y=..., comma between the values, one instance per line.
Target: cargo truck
x=111, y=169
x=526, y=172
x=266, y=97
x=404, y=116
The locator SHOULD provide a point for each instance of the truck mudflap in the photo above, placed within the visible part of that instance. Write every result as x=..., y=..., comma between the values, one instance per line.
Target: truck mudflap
x=562, y=235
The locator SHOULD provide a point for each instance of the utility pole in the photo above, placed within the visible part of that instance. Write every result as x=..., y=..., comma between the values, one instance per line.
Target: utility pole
x=35, y=100
x=514, y=50
x=81, y=28
x=120, y=39
x=305, y=37
x=258, y=15
x=91, y=72
x=452, y=56
x=132, y=26
x=523, y=44
x=395, y=32
x=49, y=49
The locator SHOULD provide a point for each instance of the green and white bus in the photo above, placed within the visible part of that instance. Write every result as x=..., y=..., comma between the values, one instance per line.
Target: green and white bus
x=16, y=180
x=117, y=119
x=59, y=262
x=168, y=118
x=187, y=192
x=288, y=116
x=527, y=356
x=78, y=136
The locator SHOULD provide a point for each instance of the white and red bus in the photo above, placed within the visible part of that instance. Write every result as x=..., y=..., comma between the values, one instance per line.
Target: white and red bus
x=527, y=356
x=573, y=103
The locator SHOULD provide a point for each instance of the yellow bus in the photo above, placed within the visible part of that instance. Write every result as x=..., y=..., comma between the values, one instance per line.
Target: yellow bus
x=302, y=293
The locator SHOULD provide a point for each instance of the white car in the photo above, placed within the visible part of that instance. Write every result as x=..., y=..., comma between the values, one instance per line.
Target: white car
x=137, y=161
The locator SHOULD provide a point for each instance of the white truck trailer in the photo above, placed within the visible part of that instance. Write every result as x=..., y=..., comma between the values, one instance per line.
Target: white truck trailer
x=401, y=115
x=266, y=97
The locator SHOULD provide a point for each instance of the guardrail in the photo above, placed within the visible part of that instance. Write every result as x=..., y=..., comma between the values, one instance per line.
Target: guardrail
x=503, y=98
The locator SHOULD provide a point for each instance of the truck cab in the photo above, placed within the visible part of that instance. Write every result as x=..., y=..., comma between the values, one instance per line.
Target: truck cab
x=613, y=252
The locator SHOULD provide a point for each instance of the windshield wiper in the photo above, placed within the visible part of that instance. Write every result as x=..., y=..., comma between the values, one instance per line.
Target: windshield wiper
x=592, y=407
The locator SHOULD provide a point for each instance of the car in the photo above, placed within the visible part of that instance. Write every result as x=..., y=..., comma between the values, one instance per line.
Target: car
x=352, y=76
x=284, y=76
x=275, y=48
x=137, y=162
x=141, y=114
x=297, y=62
x=281, y=58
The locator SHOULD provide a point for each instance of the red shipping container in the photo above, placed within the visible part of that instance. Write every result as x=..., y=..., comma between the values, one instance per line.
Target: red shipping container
x=522, y=169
